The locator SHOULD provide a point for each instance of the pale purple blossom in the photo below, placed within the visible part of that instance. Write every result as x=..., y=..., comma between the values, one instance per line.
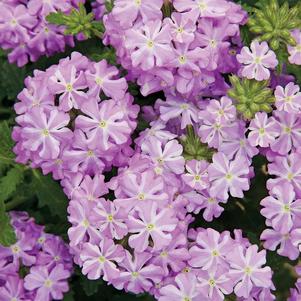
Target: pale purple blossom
x=184, y=288
x=149, y=44
x=263, y=130
x=101, y=77
x=257, y=61
x=281, y=241
x=295, y=51
x=138, y=274
x=174, y=107
x=222, y=110
x=80, y=219
x=101, y=259
x=288, y=98
x=281, y=208
x=104, y=123
x=197, y=174
x=228, y=176
x=138, y=189
x=49, y=285
x=109, y=220
x=167, y=157
x=204, y=200
x=247, y=270
x=288, y=126
x=13, y=289
x=151, y=222
x=286, y=170
x=44, y=132
x=215, y=284
x=127, y=11
x=182, y=27
x=69, y=83
x=210, y=250
x=203, y=8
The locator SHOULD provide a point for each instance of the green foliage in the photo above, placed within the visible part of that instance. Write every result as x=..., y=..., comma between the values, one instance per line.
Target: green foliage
x=11, y=80
x=50, y=194
x=78, y=21
x=109, y=5
x=194, y=148
x=273, y=23
x=8, y=184
x=251, y=96
x=10, y=181
x=6, y=154
x=7, y=234
x=90, y=286
x=69, y=296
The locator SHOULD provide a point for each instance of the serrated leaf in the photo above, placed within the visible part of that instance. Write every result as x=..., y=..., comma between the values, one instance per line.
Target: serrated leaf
x=6, y=154
x=9, y=182
x=7, y=234
x=50, y=194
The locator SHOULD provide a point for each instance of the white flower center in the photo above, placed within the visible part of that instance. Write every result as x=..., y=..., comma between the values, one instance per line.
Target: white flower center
x=98, y=80
x=102, y=124
x=248, y=270
x=150, y=44
x=150, y=227
x=110, y=218
x=48, y=283
x=45, y=132
x=15, y=249
x=69, y=87
x=182, y=59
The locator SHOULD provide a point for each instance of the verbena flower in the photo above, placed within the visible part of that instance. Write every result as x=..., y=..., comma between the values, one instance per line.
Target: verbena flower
x=101, y=260
x=48, y=284
x=151, y=222
x=248, y=271
x=228, y=176
x=258, y=61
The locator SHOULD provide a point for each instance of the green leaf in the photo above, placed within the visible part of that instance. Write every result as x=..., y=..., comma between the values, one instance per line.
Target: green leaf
x=6, y=154
x=69, y=296
x=12, y=79
x=9, y=183
x=50, y=194
x=90, y=287
x=7, y=234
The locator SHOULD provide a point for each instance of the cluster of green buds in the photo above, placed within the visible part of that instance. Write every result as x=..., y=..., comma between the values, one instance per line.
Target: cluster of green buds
x=193, y=148
x=273, y=23
x=78, y=21
x=251, y=96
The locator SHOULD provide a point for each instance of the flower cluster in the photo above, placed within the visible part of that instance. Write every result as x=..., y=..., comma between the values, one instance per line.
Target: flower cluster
x=26, y=33
x=37, y=266
x=135, y=192
x=75, y=119
x=187, y=52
